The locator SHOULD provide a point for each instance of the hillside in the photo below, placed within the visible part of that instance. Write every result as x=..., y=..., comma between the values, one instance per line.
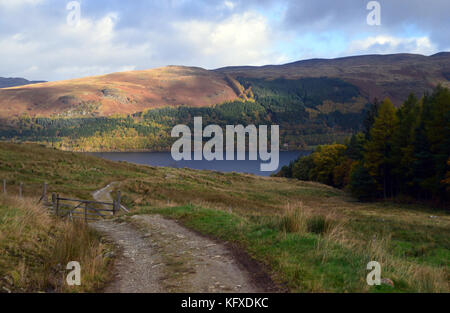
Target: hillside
x=381, y=76
x=118, y=93
x=314, y=101
x=308, y=236
x=13, y=82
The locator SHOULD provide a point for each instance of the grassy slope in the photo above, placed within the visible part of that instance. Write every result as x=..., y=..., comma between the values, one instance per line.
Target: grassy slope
x=413, y=248
x=313, y=237
x=67, y=173
x=35, y=249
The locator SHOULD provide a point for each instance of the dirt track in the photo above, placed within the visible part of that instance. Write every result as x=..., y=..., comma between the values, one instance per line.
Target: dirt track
x=159, y=255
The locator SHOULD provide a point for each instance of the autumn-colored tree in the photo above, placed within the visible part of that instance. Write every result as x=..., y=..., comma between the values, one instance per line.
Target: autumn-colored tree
x=302, y=168
x=325, y=159
x=341, y=173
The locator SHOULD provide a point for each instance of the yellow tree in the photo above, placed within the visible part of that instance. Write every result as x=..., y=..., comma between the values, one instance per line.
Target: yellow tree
x=326, y=159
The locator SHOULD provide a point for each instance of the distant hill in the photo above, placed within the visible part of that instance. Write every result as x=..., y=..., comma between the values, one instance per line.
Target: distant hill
x=381, y=76
x=315, y=101
x=393, y=76
x=13, y=82
x=118, y=93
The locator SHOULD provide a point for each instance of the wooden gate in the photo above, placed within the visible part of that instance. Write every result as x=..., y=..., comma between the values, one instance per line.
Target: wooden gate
x=84, y=209
x=77, y=209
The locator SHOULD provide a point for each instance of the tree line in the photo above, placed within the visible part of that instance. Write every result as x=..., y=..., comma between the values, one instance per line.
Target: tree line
x=399, y=152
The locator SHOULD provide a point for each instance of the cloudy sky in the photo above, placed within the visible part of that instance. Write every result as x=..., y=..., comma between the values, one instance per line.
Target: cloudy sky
x=42, y=39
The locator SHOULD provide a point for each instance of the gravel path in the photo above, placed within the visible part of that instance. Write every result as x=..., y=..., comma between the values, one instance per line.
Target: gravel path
x=159, y=255
x=136, y=269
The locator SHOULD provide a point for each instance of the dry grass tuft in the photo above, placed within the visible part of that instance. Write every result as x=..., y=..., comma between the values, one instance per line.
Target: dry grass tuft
x=35, y=249
x=294, y=220
x=297, y=219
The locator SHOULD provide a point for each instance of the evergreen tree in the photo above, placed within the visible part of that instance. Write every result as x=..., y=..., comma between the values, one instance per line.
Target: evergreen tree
x=370, y=118
x=355, y=148
x=362, y=185
x=378, y=155
x=437, y=127
x=422, y=166
x=403, y=149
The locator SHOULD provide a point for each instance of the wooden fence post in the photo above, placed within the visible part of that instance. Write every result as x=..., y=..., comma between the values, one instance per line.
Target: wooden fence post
x=119, y=197
x=4, y=186
x=85, y=213
x=20, y=190
x=54, y=202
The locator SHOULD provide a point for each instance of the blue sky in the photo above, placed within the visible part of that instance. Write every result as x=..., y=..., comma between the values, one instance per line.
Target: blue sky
x=36, y=42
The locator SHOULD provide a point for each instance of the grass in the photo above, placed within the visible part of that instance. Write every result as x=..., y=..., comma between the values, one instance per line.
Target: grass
x=35, y=249
x=67, y=173
x=316, y=258
x=313, y=237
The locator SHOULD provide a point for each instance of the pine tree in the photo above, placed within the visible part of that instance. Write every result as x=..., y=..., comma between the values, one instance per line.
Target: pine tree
x=378, y=154
x=369, y=119
x=403, y=149
x=355, y=147
x=437, y=128
x=362, y=185
x=446, y=181
x=422, y=167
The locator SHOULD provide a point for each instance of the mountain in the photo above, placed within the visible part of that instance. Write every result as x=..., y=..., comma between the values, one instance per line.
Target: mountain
x=394, y=76
x=118, y=93
x=13, y=82
x=314, y=101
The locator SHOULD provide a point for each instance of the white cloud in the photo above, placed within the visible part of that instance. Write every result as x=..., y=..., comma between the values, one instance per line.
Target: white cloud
x=94, y=47
x=240, y=39
x=90, y=31
x=385, y=44
x=37, y=43
x=15, y=4
x=229, y=5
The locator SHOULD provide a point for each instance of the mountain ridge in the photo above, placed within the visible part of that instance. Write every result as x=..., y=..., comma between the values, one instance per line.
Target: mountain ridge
x=377, y=76
x=380, y=76
x=7, y=82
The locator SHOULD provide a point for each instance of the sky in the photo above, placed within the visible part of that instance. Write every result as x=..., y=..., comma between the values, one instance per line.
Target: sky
x=49, y=40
